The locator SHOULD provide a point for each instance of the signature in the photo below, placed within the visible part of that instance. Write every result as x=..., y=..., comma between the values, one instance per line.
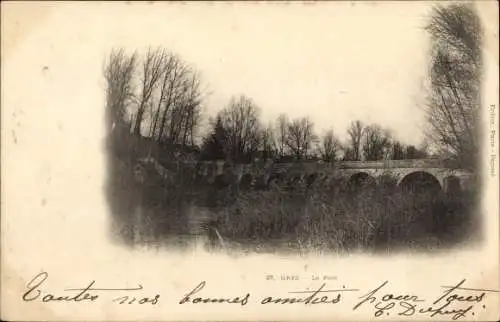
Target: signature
x=36, y=292
x=456, y=302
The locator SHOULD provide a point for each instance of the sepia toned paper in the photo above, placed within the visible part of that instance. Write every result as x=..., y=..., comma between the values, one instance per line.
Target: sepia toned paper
x=86, y=237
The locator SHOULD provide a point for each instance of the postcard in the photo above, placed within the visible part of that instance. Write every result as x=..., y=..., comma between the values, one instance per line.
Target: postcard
x=241, y=161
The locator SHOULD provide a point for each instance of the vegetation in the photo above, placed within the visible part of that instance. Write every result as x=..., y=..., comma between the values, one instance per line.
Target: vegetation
x=455, y=76
x=154, y=108
x=160, y=97
x=294, y=217
x=326, y=220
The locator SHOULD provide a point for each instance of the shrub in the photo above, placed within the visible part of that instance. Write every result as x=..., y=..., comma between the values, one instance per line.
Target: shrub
x=301, y=217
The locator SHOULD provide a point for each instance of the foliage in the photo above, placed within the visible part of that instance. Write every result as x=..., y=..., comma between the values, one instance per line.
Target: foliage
x=300, y=137
x=330, y=146
x=214, y=147
x=319, y=220
x=355, y=132
x=398, y=152
x=307, y=218
x=454, y=91
x=119, y=73
x=160, y=96
x=375, y=142
x=240, y=120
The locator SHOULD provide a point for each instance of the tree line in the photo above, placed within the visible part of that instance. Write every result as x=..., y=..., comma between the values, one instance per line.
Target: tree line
x=159, y=96
x=238, y=135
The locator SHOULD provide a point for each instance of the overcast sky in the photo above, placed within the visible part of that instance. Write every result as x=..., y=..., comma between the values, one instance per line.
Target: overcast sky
x=335, y=62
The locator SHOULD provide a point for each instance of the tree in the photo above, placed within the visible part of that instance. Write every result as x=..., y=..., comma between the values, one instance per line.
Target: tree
x=415, y=153
x=398, y=151
x=455, y=72
x=330, y=146
x=214, y=146
x=348, y=154
x=300, y=137
x=355, y=134
x=268, y=140
x=375, y=142
x=185, y=110
x=152, y=69
x=171, y=99
x=241, y=122
x=168, y=103
x=281, y=133
x=118, y=74
x=169, y=86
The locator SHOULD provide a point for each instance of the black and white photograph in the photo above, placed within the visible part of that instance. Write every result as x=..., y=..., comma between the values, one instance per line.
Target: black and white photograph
x=325, y=140
x=249, y=161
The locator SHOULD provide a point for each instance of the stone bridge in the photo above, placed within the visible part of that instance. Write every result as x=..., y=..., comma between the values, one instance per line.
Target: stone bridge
x=438, y=173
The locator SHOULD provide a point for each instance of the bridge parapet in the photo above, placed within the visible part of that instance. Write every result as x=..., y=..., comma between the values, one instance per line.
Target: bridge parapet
x=387, y=164
x=214, y=168
x=318, y=173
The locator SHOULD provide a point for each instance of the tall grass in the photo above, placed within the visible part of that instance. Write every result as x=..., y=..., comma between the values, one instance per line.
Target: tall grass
x=278, y=218
x=342, y=221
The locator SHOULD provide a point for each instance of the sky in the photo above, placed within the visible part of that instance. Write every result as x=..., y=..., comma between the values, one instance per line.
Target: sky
x=333, y=62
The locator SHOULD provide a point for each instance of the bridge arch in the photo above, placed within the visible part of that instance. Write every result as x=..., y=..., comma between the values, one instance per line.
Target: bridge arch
x=420, y=181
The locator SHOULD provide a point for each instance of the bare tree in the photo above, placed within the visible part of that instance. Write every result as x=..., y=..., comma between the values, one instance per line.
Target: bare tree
x=355, y=134
x=176, y=79
x=413, y=152
x=171, y=99
x=165, y=91
x=241, y=122
x=454, y=101
x=348, y=153
x=301, y=137
x=269, y=144
x=281, y=133
x=152, y=69
x=398, y=151
x=375, y=142
x=185, y=112
x=118, y=73
x=193, y=107
x=330, y=146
